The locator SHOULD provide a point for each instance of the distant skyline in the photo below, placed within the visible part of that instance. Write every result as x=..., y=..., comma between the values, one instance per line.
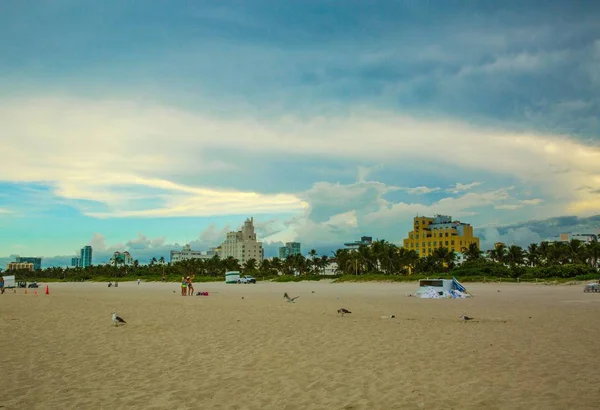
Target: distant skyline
x=143, y=126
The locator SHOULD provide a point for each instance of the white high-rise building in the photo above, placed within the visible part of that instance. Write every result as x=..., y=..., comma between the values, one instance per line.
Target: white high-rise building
x=242, y=245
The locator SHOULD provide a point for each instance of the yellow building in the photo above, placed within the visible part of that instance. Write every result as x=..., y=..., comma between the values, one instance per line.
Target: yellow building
x=19, y=266
x=439, y=232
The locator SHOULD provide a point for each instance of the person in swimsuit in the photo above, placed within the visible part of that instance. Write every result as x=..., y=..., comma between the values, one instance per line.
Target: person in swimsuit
x=183, y=286
x=190, y=287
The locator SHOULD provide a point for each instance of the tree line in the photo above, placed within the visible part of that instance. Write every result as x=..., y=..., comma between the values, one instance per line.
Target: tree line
x=544, y=260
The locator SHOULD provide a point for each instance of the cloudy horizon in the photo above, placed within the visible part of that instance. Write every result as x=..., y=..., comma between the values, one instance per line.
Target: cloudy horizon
x=146, y=128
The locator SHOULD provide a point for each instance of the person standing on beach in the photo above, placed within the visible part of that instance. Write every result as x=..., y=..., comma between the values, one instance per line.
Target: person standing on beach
x=183, y=286
x=139, y=280
x=190, y=286
x=1, y=284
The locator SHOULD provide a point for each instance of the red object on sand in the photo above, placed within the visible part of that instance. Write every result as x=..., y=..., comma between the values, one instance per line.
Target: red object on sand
x=47, y=290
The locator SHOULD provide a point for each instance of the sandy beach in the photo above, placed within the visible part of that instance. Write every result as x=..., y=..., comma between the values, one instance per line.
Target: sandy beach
x=244, y=347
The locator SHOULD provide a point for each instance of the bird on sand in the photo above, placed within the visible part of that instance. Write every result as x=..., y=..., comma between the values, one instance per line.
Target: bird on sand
x=116, y=319
x=289, y=299
x=343, y=311
x=465, y=318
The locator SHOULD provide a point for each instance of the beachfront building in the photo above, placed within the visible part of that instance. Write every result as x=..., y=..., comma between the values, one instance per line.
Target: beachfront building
x=439, y=232
x=187, y=253
x=568, y=237
x=121, y=258
x=85, y=258
x=290, y=249
x=19, y=266
x=75, y=262
x=242, y=245
x=37, y=262
x=364, y=241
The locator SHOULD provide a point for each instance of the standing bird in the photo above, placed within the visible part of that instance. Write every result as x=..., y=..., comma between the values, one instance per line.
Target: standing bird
x=288, y=298
x=465, y=318
x=343, y=311
x=116, y=319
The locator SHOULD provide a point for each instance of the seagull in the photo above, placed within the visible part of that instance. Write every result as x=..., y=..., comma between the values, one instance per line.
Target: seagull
x=288, y=298
x=343, y=311
x=116, y=319
x=465, y=318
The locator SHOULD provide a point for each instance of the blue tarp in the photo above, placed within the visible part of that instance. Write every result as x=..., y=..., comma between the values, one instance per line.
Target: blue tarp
x=457, y=285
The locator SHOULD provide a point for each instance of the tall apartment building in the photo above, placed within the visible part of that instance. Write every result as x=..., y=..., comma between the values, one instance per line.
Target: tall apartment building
x=439, y=232
x=187, y=253
x=290, y=249
x=121, y=258
x=85, y=258
x=75, y=262
x=242, y=245
x=37, y=262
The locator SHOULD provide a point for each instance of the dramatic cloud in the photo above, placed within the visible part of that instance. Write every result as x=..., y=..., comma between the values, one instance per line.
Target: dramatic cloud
x=321, y=128
x=180, y=143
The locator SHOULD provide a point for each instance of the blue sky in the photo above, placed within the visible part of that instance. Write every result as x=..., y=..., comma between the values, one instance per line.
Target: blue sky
x=147, y=125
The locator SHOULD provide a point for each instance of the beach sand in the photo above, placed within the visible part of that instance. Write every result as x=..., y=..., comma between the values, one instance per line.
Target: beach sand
x=530, y=347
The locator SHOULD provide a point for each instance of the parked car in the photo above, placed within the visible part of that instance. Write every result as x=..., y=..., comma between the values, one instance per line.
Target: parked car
x=592, y=287
x=246, y=279
x=33, y=285
x=22, y=284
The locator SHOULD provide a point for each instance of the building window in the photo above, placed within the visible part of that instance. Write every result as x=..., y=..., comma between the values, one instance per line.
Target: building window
x=446, y=243
x=452, y=243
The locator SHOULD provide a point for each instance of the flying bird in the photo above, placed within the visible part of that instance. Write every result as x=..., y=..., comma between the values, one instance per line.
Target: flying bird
x=116, y=319
x=288, y=298
x=343, y=311
x=465, y=318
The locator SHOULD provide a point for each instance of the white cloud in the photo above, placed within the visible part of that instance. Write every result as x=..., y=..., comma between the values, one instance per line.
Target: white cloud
x=143, y=242
x=522, y=236
x=519, y=204
x=458, y=187
x=421, y=190
x=116, y=158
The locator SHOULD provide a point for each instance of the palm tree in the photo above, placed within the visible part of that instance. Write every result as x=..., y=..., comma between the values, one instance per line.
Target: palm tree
x=276, y=265
x=250, y=265
x=544, y=253
x=313, y=258
x=576, y=251
x=473, y=253
x=161, y=260
x=593, y=253
x=533, y=254
x=444, y=258
x=498, y=253
x=514, y=256
x=153, y=261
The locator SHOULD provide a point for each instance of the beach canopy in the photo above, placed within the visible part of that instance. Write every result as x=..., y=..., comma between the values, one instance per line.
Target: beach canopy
x=457, y=285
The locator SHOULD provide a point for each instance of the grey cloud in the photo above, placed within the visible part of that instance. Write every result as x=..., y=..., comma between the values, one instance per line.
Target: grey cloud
x=539, y=230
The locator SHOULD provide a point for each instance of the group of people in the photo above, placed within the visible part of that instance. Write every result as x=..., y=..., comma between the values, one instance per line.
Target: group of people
x=187, y=288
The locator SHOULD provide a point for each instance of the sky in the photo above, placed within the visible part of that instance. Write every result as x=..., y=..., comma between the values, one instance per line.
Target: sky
x=148, y=125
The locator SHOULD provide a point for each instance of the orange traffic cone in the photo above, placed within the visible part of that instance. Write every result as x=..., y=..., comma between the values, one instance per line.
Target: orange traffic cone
x=47, y=290
x=25, y=290
x=35, y=292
